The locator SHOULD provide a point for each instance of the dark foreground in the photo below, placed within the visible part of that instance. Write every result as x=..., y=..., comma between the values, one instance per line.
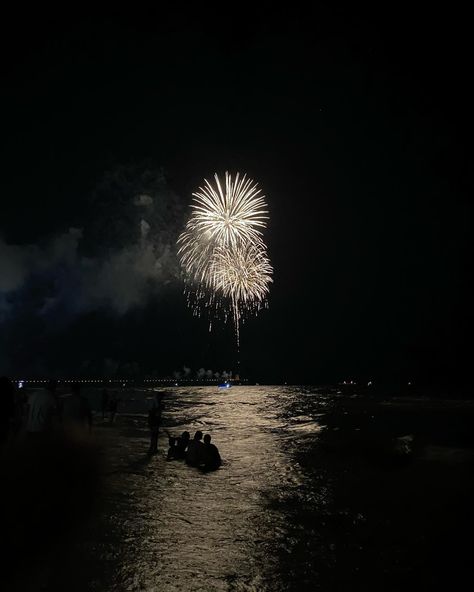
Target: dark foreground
x=315, y=493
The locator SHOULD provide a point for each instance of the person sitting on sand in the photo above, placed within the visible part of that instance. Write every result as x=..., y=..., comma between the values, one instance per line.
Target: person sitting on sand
x=181, y=445
x=210, y=457
x=193, y=454
x=177, y=449
x=172, y=449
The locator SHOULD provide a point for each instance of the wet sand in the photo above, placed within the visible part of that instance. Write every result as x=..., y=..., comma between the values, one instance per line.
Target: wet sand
x=315, y=493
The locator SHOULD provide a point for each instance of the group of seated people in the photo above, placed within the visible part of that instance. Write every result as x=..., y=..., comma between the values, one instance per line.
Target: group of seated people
x=195, y=452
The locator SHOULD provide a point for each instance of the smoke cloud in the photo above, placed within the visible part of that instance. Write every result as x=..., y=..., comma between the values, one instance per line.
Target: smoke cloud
x=122, y=255
x=119, y=280
x=83, y=269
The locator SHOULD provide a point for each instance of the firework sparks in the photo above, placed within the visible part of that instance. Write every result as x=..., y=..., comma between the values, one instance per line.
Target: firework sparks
x=221, y=218
x=222, y=250
x=242, y=274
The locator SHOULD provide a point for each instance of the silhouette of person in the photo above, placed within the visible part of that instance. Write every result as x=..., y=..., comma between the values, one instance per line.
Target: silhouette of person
x=42, y=409
x=19, y=412
x=75, y=410
x=181, y=445
x=193, y=453
x=7, y=408
x=172, y=449
x=104, y=403
x=210, y=457
x=113, y=405
x=154, y=421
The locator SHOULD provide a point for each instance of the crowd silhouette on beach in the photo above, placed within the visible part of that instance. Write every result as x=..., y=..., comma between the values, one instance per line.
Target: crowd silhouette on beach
x=43, y=412
x=195, y=452
x=53, y=474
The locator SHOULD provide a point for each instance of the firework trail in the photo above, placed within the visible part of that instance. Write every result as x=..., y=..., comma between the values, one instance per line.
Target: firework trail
x=222, y=250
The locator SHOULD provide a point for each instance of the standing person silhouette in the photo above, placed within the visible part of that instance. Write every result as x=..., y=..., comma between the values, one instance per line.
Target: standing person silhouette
x=113, y=406
x=154, y=422
x=42, y=411
x=7, y=408
x=75, y=410
x=104, y=403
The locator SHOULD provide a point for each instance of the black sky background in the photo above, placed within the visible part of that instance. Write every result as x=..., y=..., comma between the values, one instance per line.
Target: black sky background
x=357, y=127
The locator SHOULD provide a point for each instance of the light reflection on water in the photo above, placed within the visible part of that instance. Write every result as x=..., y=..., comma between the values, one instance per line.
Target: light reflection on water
x=183, y=530
x=314, y=494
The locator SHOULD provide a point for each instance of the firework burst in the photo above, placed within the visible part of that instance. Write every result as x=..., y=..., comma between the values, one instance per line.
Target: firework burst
x=241, y=274
x=222, y=250
x=228, y=216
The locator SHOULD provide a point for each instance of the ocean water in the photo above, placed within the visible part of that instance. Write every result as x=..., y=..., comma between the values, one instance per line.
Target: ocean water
x=319, y=490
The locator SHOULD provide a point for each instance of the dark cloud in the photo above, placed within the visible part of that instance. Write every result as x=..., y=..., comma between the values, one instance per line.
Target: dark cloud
x=115, y=263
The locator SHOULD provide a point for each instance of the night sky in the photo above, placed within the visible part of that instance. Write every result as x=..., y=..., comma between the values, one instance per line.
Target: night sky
x=355, y=126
